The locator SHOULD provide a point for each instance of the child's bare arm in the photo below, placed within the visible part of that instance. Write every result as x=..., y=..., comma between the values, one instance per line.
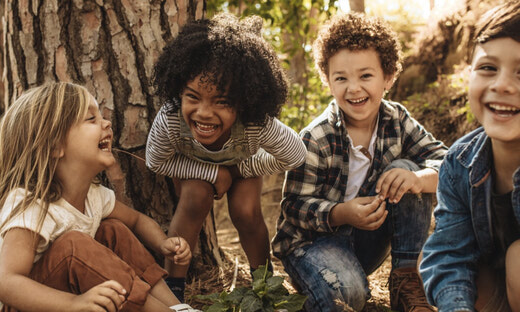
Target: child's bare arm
x=151, y=234
x=394, y=183
x=21, y=292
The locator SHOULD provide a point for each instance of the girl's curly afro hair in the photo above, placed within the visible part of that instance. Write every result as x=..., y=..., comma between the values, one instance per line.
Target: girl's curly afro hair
x=355, y=31
x=229, y=54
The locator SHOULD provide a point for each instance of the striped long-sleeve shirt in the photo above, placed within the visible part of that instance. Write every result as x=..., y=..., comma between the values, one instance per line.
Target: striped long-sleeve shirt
x=314, y=188
x=272, y=148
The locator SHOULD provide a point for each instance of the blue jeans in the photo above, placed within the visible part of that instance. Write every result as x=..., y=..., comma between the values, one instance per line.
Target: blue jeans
x=335, y=267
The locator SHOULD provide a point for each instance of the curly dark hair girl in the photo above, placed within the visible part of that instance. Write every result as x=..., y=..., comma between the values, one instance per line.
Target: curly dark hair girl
x=355, y=31
x=233, y=56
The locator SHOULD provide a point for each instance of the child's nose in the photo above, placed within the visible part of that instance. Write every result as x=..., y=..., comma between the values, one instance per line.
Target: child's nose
x=107, y=123
x=353, y=87
x=505, y=83
x=205, y=109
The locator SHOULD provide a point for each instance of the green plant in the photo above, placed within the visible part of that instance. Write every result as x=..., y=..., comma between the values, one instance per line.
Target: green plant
x=267, y=295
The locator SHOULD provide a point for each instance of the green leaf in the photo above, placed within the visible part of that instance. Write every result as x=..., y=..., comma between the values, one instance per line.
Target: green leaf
x=292, y=303
x=212, y=297
x=275, y=288
x=251, y=303
x=237, y=294
x=219, y=307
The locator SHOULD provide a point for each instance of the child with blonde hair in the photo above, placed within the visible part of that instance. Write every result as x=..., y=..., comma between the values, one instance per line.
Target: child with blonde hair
x=66, y=243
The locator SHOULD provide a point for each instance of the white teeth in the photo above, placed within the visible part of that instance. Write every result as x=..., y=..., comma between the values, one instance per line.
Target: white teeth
x=357, y=101
x=205, y=128
x=104, y=144
x=503, y=108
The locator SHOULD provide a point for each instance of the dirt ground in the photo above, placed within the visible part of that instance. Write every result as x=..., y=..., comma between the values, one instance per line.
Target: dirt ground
x=230, y=245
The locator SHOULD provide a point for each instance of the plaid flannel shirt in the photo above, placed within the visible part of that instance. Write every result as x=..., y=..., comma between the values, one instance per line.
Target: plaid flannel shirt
x=311, y=190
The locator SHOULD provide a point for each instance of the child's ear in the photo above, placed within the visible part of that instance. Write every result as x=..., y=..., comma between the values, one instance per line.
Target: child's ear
x=58, y=152
x=389, y=81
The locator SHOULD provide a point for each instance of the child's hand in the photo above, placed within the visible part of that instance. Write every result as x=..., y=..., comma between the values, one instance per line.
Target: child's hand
x=223, y=183
x=394, y=183
x=176, y=249
x=364, y=213
x=107, y=296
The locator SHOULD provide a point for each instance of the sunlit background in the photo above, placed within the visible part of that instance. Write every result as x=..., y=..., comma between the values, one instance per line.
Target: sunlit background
x=418, y=8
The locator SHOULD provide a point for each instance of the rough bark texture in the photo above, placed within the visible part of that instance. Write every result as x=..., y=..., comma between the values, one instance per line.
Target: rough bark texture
x=109, y=46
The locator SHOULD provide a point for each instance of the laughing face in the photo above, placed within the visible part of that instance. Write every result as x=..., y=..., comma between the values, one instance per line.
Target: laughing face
x=88, y=147
x=494, y=88
x=357, y=82
x=207, y=113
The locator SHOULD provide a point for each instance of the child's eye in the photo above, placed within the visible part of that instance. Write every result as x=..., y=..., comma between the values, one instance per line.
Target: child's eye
x=487, y=68
x=90, y=118
x=191, y=96
x=223, y=103
x=366, y=76
x=339, y=78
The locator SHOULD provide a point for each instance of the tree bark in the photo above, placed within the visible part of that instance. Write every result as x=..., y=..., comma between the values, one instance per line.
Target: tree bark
x=357, y=5
x=109, y=47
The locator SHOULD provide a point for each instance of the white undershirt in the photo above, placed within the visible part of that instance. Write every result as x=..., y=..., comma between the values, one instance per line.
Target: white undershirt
x=359, y=161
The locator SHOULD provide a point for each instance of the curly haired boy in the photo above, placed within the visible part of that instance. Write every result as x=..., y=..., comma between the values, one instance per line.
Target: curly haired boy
x=367, y=183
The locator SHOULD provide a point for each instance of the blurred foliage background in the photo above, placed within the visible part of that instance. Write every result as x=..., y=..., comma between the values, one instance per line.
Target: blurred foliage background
x=435, y=35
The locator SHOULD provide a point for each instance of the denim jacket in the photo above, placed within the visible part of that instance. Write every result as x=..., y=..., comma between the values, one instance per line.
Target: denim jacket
x=463, y=234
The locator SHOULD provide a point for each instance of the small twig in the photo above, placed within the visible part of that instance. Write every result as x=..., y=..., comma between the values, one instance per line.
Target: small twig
x=133, y=155
x=235, y=273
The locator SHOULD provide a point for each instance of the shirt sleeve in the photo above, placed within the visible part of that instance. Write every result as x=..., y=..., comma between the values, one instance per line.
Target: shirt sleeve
x=304, y=202
x=449, y=264
x=27, y=219
x=281, y=149
x=163, y=156
x=108, y=201
x=420, y=145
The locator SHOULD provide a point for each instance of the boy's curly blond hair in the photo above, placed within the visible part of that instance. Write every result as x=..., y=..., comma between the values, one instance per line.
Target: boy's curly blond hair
x=355, y=31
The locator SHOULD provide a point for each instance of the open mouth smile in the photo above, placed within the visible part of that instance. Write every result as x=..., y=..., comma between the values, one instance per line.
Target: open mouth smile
x=503, y=110
x=358, y=101
x=205, y=128
x=104, y=144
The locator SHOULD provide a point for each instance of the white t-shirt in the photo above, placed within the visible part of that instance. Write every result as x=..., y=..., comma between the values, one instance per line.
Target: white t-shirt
x=359, y=161
x=61, y=216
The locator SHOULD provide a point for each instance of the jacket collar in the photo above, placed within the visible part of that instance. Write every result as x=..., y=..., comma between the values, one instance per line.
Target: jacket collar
x=476, y=156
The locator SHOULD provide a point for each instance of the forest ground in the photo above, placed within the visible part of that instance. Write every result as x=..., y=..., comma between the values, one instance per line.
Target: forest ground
x=213, y=282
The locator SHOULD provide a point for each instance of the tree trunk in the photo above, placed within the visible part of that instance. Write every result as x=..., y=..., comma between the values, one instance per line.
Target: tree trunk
x=357, y=5
x=110, y=47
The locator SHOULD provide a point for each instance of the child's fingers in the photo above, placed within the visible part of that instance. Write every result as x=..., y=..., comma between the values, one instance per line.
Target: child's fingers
x=377, y=224
x=384, y=183
x=183, y=256
x=115, y=286
x=109, y=295
x=397, y=184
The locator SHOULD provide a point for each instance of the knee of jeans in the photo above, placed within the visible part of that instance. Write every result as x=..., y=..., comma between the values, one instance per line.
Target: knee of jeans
x=418, y=202
x=348, y=294
x=404, y=164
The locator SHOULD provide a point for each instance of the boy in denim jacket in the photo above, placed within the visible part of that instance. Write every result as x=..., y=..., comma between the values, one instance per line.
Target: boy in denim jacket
x=471, y=260
x=361, y=187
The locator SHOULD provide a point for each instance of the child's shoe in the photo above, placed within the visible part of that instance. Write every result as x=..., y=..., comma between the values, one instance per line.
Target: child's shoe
x=407, y=292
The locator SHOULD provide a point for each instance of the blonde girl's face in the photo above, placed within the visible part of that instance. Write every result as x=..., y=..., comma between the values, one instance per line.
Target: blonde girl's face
x=357, y=83
x=88, y=147
x=208, y=113
x=494, y=89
